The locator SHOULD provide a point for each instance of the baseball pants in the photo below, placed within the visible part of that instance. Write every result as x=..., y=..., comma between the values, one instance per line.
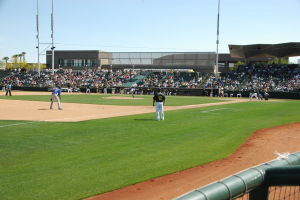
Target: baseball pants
x=159, y=106
x=55, y=97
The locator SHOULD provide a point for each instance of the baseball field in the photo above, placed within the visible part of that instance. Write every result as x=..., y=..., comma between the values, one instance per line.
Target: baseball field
x=100, y=143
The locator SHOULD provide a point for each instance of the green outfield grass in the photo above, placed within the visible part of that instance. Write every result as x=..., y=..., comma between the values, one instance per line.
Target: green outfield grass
x=102, y=99
x=43, y=160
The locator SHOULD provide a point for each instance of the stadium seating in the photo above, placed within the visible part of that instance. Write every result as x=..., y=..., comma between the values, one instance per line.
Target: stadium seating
x=277, y=78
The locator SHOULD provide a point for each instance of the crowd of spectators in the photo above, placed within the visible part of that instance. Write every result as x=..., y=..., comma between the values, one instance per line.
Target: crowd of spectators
x=273, y=77
x=69, y=78
x=101, y=78
x=228, y=81
x=243, y=78
x=258, y=77
x=171, y=80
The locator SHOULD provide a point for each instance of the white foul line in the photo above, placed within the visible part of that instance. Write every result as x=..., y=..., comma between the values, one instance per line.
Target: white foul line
x=206, y=111
x=17, y=124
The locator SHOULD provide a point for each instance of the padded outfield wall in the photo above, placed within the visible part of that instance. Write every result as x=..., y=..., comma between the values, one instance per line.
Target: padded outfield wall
x=177, y=91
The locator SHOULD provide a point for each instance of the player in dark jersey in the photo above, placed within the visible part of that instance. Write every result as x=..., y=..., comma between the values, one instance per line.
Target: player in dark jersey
x=159, y=102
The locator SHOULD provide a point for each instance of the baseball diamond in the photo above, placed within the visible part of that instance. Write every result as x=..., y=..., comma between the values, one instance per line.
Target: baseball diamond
x=149, y=100
x=94, y=155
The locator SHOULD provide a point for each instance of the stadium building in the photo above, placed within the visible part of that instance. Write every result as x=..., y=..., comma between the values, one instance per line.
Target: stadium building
x=87, y=59
x=197, y=61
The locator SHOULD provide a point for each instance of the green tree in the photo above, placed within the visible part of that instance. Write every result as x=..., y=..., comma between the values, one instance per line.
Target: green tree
x=23, y=55
x=277, y=60
x=43, y=66
x=236, y=65
x=2, y=64
x=35, y=66
x=6, y=60
x=23, y=65
x=15, y=63
x=9, y=66
x=20, y=57
x=18, y=61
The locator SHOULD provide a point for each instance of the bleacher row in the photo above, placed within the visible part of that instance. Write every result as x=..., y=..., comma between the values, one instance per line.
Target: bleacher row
x=243, y=78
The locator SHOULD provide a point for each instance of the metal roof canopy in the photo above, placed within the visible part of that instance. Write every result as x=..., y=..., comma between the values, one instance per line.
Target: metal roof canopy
x=265, y=50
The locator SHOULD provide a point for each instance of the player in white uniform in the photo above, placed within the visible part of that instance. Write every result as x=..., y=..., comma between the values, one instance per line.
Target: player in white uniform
x=252, y=95
x=159, y=101
x=132, y=91
x=56, y=96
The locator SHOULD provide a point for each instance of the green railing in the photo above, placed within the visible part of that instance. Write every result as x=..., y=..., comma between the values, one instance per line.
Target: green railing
x=250, y=182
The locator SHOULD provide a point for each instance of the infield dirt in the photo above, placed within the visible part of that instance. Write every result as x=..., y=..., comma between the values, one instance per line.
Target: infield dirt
x=72, y=112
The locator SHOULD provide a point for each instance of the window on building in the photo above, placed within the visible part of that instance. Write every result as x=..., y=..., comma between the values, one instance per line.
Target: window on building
x=78, y=63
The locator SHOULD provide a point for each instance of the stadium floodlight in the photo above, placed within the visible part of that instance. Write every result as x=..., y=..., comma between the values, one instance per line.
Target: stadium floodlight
x=37, y=36
x=52, y=36
x=216, y=70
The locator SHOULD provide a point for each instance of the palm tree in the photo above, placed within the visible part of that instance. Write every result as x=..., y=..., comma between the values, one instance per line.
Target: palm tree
x=6, y=60
x=15, y=60
x=20, y=57
x=23, y=54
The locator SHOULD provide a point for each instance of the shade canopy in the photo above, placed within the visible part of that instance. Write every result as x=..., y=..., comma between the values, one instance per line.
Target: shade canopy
x=265, y=50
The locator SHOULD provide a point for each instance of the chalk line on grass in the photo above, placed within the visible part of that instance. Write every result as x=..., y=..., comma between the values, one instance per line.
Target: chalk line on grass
x=17, y=124
x=217, y=109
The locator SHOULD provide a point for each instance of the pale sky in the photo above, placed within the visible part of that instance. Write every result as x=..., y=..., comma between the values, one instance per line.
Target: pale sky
x=146, y=25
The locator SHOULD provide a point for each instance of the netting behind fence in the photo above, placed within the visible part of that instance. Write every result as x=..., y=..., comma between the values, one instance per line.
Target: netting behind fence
x=284, y=193
x=278, y=193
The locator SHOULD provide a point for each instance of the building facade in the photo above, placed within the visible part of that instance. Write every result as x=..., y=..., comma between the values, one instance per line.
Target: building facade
x=137, y=60
x=90, y=59
x=77, y=59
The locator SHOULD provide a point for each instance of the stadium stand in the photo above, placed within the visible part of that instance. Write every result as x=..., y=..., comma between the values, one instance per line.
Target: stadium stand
x=258, y=77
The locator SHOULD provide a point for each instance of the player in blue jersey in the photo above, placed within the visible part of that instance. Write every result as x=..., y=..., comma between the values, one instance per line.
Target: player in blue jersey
x=56, y=96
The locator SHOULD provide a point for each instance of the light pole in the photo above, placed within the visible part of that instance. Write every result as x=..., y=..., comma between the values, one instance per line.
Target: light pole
x=216, y=70
x=52, y=36
x=38, y=37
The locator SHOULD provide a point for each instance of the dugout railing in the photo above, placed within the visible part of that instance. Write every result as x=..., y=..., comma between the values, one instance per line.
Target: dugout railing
x=278, y=179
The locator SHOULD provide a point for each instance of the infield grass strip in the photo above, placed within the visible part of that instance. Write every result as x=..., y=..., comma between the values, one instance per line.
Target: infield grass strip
x=146, y=100
x=78, y=160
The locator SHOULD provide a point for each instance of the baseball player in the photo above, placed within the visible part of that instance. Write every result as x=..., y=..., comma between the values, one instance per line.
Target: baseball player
x=88, y=89
x=132, y=91
x=253, y=94
x=159, y=101
x=8, y=89
x=56, y=96
x=69, y=88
